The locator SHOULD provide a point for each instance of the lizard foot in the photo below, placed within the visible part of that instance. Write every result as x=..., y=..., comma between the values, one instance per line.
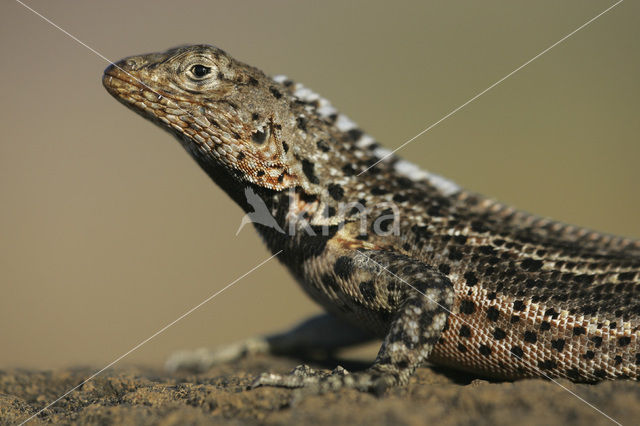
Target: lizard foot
x=314, y=382
x=200, y=360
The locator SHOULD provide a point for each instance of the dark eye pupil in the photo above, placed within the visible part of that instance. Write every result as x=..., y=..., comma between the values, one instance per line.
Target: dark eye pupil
x=200, y=70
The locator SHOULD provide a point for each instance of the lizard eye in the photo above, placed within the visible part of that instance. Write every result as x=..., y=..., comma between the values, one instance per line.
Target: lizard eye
x=200, y=71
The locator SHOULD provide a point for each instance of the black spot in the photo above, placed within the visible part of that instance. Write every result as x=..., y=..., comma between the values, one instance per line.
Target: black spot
x=362, y=237
x=402, y=364
x=421, y=286
x=530, y=337
x=551, y=312
x=302, y=123
x=314, y=245
x=618, y=360
x=589, y=310
x=613, y=325
x=545, y=325
x=514, y=319
x=493, y=314
x=343, y=267
x=385, y=220
x=421, y=232
x=355, y=134
x=259, y=137
x=255, y=116
x=577, y=331
x=626, y=276
x=589, y=355
x=308, y=169
x=517, y=351
x=485, y=350
x=600, y=373
x=308, y=198
x=471, y=279
x=462, y=348
x=275, y=92
x=368, y=291
x=454, y=254
x=531, y=264
x=573, y=374
x=597, y=340
x=260, y=173
x=465, y=331
x=404, y=182
x=336, y=191
x=558, y=344
x=488, y=250
x=444, y=268
x=518, y=305
x=624, y=341
x=547, y=364
x=285, y=146
x=348, y=170
x=637, y=359
x=479, y=227
x=240, y=156
x=323, y=146
x=460, y=239
x=499, y=334
x=492, y=295
x=467, y=307
x=376, y=190
x=399, y=198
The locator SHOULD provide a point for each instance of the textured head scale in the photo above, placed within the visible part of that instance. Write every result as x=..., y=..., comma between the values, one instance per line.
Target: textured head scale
x=220, y=109
x=245, y=128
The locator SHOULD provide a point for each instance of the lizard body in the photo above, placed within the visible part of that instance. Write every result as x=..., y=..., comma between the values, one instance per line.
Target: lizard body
x=437, y=272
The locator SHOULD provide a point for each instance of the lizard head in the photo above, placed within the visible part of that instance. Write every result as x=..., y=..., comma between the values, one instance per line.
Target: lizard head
x=228, y=115
x=248, y=130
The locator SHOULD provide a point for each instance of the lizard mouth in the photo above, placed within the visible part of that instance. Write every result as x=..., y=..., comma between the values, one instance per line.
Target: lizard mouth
x=135, y=94
x=154, y=104
x=126, y=87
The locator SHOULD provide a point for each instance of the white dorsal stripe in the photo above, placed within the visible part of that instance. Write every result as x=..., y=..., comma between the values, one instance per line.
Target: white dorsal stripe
x=344, y=124
x=414, y=172
x=280, y=78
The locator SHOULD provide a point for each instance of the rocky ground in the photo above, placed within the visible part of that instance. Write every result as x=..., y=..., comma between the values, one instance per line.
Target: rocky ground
x=146, y=396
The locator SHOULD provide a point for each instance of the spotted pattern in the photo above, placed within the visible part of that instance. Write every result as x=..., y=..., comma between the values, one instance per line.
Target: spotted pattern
x=522, y=296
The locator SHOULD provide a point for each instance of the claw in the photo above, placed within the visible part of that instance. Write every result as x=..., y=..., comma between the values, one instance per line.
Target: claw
x=308, y=381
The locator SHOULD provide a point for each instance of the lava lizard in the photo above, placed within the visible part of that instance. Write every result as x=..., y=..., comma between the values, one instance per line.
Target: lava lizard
x=389, y=250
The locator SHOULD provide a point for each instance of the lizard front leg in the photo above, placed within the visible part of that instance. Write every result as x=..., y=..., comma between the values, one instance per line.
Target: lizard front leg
x=410, y=300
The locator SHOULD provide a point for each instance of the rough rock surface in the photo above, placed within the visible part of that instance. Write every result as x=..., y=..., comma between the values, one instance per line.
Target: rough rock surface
x=221, y=395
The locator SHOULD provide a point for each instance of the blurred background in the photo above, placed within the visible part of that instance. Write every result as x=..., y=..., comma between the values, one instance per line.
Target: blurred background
x=109, y=231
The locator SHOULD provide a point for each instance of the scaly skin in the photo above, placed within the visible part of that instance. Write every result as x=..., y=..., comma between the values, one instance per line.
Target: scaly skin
x=446, y=275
